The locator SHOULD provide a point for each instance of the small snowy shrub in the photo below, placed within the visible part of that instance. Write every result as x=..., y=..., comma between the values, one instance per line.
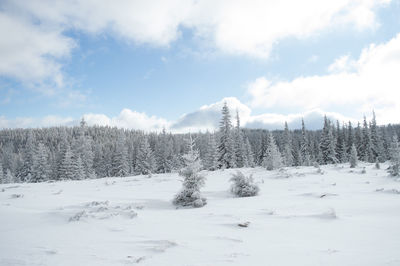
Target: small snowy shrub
x=243, y=186
x=190, y=193
x=363, y=171
x=315, y=164
x=319, y=171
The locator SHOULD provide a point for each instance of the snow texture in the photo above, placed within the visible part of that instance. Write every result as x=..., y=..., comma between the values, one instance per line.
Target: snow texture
x=339, y=218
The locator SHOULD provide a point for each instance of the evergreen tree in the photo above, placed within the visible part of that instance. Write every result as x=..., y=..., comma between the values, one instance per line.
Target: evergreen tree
x=240, y=151
x=350, y=137
x=40, y=164
x=82, y=147
x=2, y=181
x=304, y=146
x=358, y=140
x=376, y=139
x=297, y=158
x=79, y=170
x=353, y=156
x=341, y=147
x=394, y=169
x=366, y=150
x=249, y=153
x=211, y=158
x=287, y=147
x=9, y=178
x=66, y=170
x=119, y=161
x=164, y=153
x=99, y=161
x=262, y=149
x=273, y=158
x=190, y=193
x=145, y=162
x=28, y=155
x=226, y=153
x=327, y=144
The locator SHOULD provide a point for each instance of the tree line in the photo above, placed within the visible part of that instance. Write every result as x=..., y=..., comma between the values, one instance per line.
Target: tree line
x=80, y=152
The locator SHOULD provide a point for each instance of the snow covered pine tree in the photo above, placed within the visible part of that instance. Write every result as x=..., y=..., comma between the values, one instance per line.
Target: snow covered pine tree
x=353, y=156
x=190, y=193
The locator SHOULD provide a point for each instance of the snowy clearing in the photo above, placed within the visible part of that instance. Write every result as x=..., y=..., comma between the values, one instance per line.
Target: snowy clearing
x=302, y=216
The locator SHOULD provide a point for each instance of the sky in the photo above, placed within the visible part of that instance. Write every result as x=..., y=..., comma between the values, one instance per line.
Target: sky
x=173, y=63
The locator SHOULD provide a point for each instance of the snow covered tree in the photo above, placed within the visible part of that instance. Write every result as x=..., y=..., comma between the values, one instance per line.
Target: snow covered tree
x=240, y=151
x=243, y=186
x=287, y=147
x=297, y=158
x=66, y=170
x=249, y=153
x=193, y=181
x=394, y=169
x=2, y=181
x=304, y=146
x=145, y=162
x=366, y=146
x=79, y=169
x=376, y=140
x=273, y=158
x=226, y=152
x=82, y=147
x=119, y=163
x=27, y=155
x=261, y=148
x=341, y=147
x=358, y=139
x=9, y=178
x=350, y=137
x=327, y=144
x=40, y=164
x=353, y=156
x=211, y=157
x=163, y=151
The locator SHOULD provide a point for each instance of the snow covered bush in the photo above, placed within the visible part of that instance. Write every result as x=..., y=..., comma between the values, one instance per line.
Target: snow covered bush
x=243, y=186
x=190, y=193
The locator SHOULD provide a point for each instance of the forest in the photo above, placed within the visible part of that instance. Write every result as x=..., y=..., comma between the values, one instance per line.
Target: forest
x=81, y=152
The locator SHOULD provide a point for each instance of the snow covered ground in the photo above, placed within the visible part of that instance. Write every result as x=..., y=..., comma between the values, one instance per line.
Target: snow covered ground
x=301, y=217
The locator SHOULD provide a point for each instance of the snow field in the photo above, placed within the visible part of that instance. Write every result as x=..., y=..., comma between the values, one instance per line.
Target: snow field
x=302, y=216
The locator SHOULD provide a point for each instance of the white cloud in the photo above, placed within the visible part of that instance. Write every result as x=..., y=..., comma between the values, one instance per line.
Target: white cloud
x=128, y=119
x=29, y=122
x=32, y=50
x=254, y=27
x=313, y=119
x=343, y=63
x=370, y=82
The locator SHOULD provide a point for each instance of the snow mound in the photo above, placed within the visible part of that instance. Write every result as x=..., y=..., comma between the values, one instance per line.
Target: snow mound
x=103, y=210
